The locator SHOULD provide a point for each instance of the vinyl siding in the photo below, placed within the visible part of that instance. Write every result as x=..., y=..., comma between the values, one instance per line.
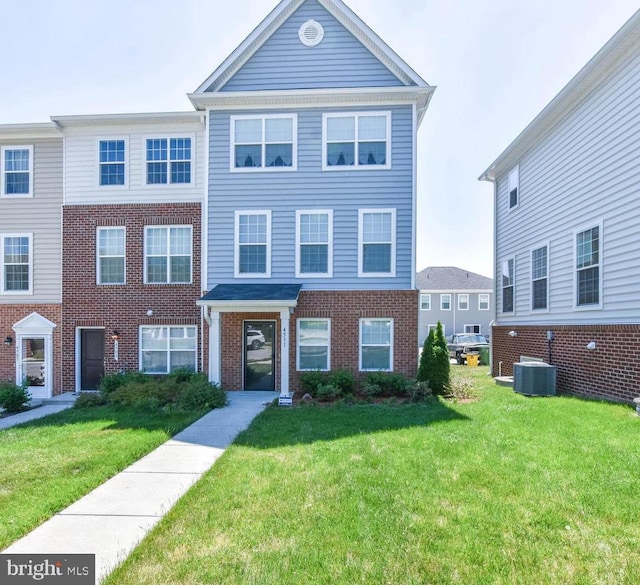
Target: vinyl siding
x=586, y=171
x=283, y=62
x=41, y=216
x=311, y=188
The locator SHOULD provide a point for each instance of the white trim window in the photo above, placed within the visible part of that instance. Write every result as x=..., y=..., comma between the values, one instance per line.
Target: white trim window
x=425, y=301
x=377, y=242
x=434, y=327
x=16, y=177
x=508, y=286
x=168, y=161
x=313, y=340
x=16, y=257
x=314, y=243
x=539, y=278
x=164, y=349
x=514, y=186
x=111, y=255
x=264, y=143
x=253, y=244
x=472, y=328
x=463, y=302
x=112, y=162
x=376, y=345
x=588, y=256
x=356, y=141
x=168, y=253
x=445, y=302
x=483, y=302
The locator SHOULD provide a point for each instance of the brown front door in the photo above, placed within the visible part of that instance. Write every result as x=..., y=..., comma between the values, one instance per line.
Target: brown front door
x=91, y=358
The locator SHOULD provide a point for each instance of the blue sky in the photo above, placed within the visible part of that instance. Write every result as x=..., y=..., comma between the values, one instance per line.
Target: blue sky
x=496, y=64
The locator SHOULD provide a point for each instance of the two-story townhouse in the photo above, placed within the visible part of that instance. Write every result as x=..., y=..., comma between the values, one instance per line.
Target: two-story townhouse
x=131, y=224
x=567, y=211
x=310, y=212
x=30, y=256
x=461, y=300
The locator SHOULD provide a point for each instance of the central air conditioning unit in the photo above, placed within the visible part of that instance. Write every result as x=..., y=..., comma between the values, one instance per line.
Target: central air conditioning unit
x=534, y=379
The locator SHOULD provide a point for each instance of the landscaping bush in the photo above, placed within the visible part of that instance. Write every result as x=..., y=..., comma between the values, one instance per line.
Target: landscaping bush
x=328, y=392
x=344, y=380
x=386, y=384
x=434, y=362
x=311, y=380
x=426, y=357
x=419, y=391
x=146, y=394
x=200, y=394
x=462, y=388
x=112, y=382
x=13, y=398
x=90, y=399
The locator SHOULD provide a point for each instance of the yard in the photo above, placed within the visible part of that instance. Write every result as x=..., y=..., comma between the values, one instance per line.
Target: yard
x=501, y=490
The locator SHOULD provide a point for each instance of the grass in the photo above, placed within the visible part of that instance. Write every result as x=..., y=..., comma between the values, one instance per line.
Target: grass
x=502, y=490
x=49, y=463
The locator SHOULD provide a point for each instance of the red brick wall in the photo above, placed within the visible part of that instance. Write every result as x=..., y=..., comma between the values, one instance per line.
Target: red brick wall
x=123, y=307
x=611, y=371
x=9, y=316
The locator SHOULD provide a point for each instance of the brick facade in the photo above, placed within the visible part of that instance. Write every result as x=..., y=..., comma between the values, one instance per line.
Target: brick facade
x=611, y=371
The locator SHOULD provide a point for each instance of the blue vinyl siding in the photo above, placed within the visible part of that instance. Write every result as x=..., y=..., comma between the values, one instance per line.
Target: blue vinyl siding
x=311, y=188
x=283, y=62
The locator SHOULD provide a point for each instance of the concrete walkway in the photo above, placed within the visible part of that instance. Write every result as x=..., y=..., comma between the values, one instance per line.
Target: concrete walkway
x=111, y=520
x=42, y=408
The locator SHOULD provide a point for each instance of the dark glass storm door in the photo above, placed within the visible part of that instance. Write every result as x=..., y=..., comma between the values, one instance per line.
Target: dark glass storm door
x=91, y=358
x=259, y=355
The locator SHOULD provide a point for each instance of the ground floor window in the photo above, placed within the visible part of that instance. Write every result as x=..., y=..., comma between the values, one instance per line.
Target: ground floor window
x=313, y=340
x=376, y=344
x=472, y=328
x=164, y=349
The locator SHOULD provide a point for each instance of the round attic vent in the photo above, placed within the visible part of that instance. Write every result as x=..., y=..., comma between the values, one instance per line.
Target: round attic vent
x=311, y=33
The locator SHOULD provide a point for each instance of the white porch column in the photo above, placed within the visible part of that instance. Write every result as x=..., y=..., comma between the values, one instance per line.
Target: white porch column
x=215, y=370
x=284, y=352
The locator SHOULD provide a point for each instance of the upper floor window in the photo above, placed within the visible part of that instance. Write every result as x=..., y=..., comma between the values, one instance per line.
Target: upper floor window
x=264, y=142
x=376, y=345
x=17, y=263
x=463, y=302
x=377, y=242
x=111, y=255
x=17, y=171
x=314, y=341
x=514, y=186
x=168, y=161
x=539, y=278
x=314, y=249
x=253, y=244
x=588, y=267
x=112, y=162
x=168, y=254
x=425, y=302
x=483, y=302
x=508, y=285
x=356, y=141
x=164, y=349
x=445, y=302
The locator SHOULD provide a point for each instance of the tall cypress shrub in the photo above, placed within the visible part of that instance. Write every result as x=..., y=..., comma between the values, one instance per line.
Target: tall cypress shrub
x=440, y=370
x=426, y=358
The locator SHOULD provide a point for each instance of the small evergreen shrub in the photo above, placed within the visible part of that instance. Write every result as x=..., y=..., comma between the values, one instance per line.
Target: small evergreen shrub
x=90, y=399
x=14, y=398
x=386, y=384
x=419, y=391
x=200, y=394
x=328, y=392
x=344, y=380
x=145, y=395
x=426, y=357
x=311, y=380
x=371, y=389
x=112, y=382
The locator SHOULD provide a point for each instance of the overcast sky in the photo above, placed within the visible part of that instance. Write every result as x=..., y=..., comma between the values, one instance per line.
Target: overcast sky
x=496, y=64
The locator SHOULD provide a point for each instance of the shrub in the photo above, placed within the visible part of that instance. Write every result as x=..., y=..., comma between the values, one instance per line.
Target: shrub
x=426, y=357
x=146, y=395
x=112, y=382
x=462, y=388
x=434, y=362
x=344, y=380
x=385, y=384
x=182, y=375
x=311, y=380
x=371, y=389
x=90, y=399
x=13, y=398
x=200, y=394
x=419, y=391
x=327, y=392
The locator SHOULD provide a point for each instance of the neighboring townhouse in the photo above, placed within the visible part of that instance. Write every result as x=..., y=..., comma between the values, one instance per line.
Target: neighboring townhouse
x=567, y=211
x=30, y=256
x=461, y=300
x=311, y=207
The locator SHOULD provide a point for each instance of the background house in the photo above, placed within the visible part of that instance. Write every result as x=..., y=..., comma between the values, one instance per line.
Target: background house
x=462, y=301
x=567, y=211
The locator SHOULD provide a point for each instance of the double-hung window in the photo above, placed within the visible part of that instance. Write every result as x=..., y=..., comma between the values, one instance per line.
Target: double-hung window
x=314, y=341
x=17, y=171
x=164, y=349
x=377, y=242
x=17, y=264
x=483, y=302
x=111, y=255
x=445, y=302
x=253, y=244
x=463, y=302
x=314, y=246
x=588, y=259
x=264, y=142
x=425, y=302
x=168, y=254
x=356, y=140
x=168, y=161
x=112, y=162
x=539, y=278
x=514, y=186
x=376, y=345
x=508, y=267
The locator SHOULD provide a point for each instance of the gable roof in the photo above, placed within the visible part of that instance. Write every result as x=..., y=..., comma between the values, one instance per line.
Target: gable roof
x=450, y=278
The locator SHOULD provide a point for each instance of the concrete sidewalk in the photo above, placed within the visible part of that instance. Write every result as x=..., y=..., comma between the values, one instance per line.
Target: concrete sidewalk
x=111, y=520
x=42, y=408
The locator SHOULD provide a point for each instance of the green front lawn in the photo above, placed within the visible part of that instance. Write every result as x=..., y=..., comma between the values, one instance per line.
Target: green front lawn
x=504, y=490
x=48, y=464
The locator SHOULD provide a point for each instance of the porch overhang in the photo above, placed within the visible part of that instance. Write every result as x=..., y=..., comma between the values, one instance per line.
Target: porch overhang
x=258, y=298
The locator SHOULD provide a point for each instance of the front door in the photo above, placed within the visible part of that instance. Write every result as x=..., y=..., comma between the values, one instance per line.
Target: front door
x=259, y=355
x=91, y=358
x=32, y=365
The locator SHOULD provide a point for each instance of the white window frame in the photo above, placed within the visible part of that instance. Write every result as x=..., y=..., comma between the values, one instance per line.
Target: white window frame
x=298, y=321
x=512, y=285
x=329, y=214
x=474, y=325
x=546, y=276
x=168, y=255
x=356, y=166
x=3, y=283
x=262, y=168
x=391, y=338
x=482, y=296
x=168, y=138
x=168, y=349
x=3, y=172
x=425, y=299
x=100, y=229
x=442, y=297
x=593, y=306
x=513, y=182
x=99, y=164
x=434, y=326
x=463, y=297
x=361, y=242
x=236, y=246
